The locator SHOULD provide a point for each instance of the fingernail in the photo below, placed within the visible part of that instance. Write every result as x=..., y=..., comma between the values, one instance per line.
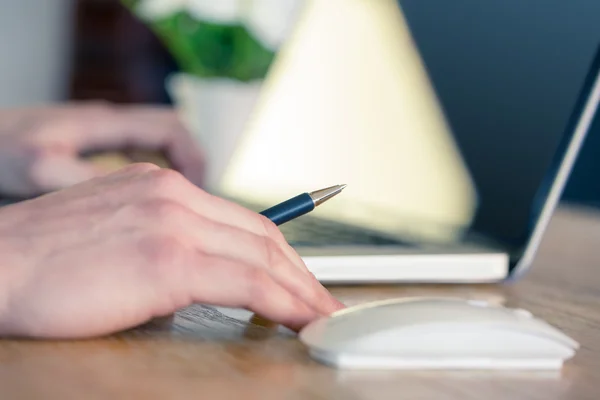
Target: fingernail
x=339, y=304
x=330, y=308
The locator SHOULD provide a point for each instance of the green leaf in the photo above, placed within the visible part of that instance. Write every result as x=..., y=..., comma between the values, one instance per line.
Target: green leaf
x=206, y=49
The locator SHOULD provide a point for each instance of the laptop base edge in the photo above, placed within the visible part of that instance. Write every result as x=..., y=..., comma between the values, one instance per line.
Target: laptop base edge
x=422, y=268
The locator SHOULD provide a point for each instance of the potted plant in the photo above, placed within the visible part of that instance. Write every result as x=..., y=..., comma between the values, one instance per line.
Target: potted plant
x=224, y=49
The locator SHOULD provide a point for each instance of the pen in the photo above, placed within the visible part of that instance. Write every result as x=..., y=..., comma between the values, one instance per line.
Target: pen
x=288, y=210
x=300, y=205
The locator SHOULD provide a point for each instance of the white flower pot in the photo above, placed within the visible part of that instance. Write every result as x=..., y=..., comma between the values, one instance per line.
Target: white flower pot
x=216, y=111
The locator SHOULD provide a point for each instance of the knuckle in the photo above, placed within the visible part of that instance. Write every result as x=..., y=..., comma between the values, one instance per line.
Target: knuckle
x=165, y=181
x=140, y=168
x=159, y=209
x=270, y=228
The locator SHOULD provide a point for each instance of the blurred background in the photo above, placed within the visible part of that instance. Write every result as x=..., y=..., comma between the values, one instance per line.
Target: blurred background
x=505, y=71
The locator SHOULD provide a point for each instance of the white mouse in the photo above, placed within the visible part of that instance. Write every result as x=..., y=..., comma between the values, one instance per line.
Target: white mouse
x=422, y=333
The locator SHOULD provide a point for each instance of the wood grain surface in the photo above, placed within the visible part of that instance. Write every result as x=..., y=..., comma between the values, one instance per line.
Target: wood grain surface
x=213, y=353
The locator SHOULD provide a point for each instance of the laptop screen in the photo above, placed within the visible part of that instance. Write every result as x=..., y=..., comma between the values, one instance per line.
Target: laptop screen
x=351, y=99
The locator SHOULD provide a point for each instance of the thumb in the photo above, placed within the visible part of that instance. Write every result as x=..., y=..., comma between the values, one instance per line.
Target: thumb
x=54, y=172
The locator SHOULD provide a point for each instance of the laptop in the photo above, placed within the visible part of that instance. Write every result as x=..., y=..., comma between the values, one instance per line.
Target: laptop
x=412, y=211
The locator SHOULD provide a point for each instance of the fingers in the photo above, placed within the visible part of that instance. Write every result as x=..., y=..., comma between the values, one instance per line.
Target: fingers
x=174, y=186
x=147, y=127
x=221, y=240
x=109, y=127
x=169, y=184
x=54, y=172
x=232, y=214
x=220, y=230
x=243, y=286
x=78, y=127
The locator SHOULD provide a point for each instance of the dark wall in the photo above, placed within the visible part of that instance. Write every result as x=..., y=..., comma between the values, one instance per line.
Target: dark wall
x=508, y=73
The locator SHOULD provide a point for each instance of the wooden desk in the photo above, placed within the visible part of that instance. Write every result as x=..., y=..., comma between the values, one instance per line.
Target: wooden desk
x=204, y=354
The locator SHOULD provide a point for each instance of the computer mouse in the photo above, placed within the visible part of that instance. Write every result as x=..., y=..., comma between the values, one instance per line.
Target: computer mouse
x=423, y=333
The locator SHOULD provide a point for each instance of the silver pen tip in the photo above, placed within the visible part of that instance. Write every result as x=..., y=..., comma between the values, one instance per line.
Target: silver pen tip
x=321, y=196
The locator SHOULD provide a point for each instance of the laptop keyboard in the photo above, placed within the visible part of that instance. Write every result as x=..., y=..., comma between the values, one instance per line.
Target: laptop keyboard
x=306, y=231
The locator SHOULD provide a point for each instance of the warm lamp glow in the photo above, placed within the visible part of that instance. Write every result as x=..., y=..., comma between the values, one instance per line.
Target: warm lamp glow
x=349, y=101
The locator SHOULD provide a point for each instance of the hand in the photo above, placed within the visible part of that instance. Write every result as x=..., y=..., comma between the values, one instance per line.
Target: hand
x=40, y=147
x=116, y=251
